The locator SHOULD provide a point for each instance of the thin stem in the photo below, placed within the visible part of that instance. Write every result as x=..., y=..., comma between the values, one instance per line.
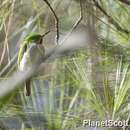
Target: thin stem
x=75, y=25
x=43, y=35
x=56, y=19
x=110, y=19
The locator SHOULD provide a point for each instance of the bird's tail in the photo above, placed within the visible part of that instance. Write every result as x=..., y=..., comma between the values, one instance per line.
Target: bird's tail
x=28, y=87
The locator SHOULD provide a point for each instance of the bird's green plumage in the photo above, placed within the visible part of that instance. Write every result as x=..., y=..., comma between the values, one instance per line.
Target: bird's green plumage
x=33, y=37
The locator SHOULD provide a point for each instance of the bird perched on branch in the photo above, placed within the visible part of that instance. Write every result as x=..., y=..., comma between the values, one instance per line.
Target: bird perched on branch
x=31, y=54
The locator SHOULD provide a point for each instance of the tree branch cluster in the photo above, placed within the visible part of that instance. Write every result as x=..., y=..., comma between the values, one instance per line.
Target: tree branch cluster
x=110, y=19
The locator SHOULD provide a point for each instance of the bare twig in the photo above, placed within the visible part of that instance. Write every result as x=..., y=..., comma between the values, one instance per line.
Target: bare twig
x=52, y=51
x=80, y=18
x=56, y=19
x=123, y=35
x=75, y=25
x=125, y=1
x=110, y=19
x=43, y=35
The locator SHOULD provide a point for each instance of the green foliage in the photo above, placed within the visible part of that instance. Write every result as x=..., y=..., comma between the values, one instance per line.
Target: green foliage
x=90, y=83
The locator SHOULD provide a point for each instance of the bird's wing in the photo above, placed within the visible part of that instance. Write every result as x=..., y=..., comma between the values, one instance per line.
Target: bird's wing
x=25, y=62
x=21, y=52
x=36, y=53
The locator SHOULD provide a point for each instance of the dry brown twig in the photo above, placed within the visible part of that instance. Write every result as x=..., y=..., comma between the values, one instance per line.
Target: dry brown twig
x=56, y=19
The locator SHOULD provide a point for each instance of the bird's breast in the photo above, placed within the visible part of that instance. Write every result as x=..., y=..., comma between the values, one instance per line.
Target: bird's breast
x=24, y=64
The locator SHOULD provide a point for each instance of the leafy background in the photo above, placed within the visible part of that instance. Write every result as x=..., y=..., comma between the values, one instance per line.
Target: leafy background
x=90, y=81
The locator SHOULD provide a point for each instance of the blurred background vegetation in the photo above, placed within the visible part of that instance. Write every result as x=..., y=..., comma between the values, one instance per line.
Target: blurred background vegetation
x=89, y=81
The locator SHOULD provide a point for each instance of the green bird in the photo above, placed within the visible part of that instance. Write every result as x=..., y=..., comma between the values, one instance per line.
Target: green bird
x=31, y=54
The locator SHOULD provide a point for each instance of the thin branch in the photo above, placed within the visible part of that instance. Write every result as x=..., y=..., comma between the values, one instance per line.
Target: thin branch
x=75, y=25
x=56, y=19
x=110, y=19
x=80, y=18
x=43, y=35
x=53, y=51
x=108, y=25
x=125, y=1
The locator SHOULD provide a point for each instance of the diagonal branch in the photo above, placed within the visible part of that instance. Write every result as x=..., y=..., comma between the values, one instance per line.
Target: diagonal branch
x=80, y=18
x=125, y=1
x=110, y=19
x=43, y=35
x=56, y=19
x=75, y=25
